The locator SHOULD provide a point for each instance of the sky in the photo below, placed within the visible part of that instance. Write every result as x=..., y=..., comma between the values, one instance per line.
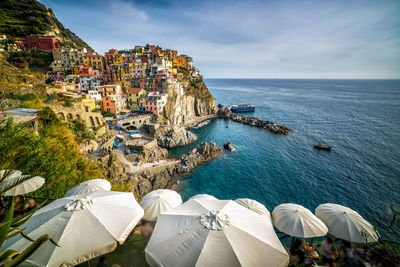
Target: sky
x=250, y=38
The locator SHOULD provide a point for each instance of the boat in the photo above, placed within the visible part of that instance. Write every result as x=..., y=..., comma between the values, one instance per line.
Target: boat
x=323, y=147
x=243, y=108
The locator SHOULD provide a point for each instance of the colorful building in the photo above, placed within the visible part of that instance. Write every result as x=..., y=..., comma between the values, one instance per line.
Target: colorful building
x=41, y=42
x=115, y=104
x=154, y=102
x=134, y=96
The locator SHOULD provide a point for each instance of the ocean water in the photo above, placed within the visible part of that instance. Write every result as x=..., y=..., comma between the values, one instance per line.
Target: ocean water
x=359, y=118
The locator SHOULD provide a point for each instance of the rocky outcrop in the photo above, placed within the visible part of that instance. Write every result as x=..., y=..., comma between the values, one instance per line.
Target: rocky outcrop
x=117, y=169
x=187, y=101
x=148, y=155
x=174, y=136
x=102, y=133
x=114, y=166
x=197, y=156
x=229, y=146
x=88, y=145
x=273, y=127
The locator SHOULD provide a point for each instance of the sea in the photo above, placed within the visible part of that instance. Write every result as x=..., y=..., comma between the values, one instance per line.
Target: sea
x=360, y=119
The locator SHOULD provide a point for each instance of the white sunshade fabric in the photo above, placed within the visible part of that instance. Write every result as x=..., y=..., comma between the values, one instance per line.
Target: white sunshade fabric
x=158, y=201
x=202, y=196
x=206, y=232
x=84, y=226
x=297, y=221
x=89, y=187
x=254, y=206
x=22, y=188
x=345, y=223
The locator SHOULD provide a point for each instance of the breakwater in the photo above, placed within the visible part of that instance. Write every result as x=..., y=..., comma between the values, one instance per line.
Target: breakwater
x=273, y=127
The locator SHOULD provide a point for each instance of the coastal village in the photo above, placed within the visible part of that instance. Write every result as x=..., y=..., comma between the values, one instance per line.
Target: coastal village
x=130, y=107
x=119, y=82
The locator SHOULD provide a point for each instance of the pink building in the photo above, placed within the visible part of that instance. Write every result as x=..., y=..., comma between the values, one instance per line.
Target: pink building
x=154, y=102
x=41, y=42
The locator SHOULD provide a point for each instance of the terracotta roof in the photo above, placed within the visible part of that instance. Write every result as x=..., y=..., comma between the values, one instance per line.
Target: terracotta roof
x=134, y=90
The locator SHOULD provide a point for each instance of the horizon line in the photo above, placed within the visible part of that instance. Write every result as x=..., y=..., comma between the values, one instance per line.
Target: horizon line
x=252, y=78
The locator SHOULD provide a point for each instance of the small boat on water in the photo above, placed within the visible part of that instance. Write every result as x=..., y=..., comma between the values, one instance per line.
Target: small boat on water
x=243, y=108
x=323, y=147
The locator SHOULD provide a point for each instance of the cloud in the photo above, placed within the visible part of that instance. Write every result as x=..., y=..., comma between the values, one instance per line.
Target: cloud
x=250, y=38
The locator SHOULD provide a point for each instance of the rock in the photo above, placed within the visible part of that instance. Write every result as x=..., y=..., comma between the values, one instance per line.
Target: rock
x=224, y=112
x=88, y=145
x=148, y=155
x=187, y=102
x=197, y=156
x=102, y=133
x=253, y=121
x=229, y=146
x=174, y=136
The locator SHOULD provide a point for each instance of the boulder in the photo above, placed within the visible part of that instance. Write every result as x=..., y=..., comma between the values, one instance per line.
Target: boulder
x=229, y=146
x=174, y=136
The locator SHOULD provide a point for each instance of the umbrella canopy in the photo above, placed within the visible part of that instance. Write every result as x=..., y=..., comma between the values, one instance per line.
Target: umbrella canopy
x=345, y=223
x=25, y=187
x=89, y=187
x=254, y=206
x=206, y=232
x=158, y=201
x=295, y=220
x=202, y=196
x=84, y=226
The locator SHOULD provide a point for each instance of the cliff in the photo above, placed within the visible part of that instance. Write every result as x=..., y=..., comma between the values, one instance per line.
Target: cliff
x=189, y=104
x=118, y=169
x=19, y=18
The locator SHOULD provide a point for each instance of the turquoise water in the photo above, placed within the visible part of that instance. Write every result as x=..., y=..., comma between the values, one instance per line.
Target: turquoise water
x=359, y=118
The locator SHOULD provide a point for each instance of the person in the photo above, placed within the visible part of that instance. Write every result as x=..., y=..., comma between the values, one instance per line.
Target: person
x=349, y=254
x=328, y=251
x=102, y=262
x=297, y=250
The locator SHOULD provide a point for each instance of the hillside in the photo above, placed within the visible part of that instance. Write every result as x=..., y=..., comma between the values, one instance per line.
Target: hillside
x=19, y=18
x=18, y=81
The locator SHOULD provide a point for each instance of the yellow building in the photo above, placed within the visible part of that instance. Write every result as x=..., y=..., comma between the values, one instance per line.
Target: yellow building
x=168, y=64
x=89, y=103
x=95, y=61
x=134, y=95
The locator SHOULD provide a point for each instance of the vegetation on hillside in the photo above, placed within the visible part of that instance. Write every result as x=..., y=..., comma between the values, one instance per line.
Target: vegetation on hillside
x=33, y=60
x=20, y=81
x=52, y=153
x=19, y=18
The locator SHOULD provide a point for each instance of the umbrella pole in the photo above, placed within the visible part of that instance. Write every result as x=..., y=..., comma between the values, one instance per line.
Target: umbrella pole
x=291, y=242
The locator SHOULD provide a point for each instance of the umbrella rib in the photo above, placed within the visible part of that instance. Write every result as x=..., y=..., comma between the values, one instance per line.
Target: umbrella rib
x=247, y=233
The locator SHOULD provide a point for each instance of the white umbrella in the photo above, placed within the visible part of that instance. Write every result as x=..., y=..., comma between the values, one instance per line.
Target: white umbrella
x=295, y=220
x=254, y=206
x=158, y=201
x=204, y=232
x=84, y=226
x=345, y=223
x=89, y=186
x=25, y=187
x=202, y=196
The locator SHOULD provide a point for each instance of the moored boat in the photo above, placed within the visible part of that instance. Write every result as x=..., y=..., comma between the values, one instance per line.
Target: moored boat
x=243, y=108
x=323, y=147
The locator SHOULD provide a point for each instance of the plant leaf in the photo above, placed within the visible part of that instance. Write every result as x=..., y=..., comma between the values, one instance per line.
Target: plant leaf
x=24, y=255
x=8, y=219
x=7, y=255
